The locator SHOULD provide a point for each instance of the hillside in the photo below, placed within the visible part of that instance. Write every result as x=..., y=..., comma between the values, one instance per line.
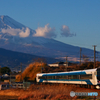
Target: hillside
x=13, y=59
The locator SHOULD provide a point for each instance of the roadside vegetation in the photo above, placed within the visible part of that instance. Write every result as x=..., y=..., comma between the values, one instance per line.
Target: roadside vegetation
x=29, y=74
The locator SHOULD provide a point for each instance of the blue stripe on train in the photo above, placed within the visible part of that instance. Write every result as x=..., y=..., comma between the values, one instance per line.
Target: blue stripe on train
x=87, y=81
x=70, y=73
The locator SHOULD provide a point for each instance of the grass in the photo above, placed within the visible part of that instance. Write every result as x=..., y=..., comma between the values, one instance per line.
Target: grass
x=3, y=97
x=47, y=92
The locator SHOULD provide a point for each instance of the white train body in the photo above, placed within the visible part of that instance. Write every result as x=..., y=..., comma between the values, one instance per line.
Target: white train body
x=89, y=77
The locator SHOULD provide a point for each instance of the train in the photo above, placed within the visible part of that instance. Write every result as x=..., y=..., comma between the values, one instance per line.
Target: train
x=81, y=77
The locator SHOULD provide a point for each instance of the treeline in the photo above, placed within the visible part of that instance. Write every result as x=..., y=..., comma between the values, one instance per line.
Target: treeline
x=29, y=74
x=83, y=66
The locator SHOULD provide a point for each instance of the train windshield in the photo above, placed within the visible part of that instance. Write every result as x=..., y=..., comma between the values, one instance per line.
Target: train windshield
x=98, y=74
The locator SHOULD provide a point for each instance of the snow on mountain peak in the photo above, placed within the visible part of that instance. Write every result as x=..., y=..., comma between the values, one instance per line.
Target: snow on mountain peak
x=2, y=17
x=9, y=22
x=11, y=29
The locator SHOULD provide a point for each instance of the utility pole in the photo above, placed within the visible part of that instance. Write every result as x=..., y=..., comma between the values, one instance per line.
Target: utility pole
x=66, y=63
x=94, y=55
x=41, y=66
x=80, y=55
x=21, y=70
x=10, y=78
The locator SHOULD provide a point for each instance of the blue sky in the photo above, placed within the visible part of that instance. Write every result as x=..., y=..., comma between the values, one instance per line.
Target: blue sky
x=81, y=18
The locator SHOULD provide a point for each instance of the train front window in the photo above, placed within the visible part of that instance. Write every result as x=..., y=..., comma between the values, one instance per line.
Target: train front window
x=98, y=74
x=42, y=77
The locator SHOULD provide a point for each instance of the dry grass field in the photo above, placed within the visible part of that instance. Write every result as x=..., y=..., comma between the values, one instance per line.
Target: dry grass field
x=46, y=92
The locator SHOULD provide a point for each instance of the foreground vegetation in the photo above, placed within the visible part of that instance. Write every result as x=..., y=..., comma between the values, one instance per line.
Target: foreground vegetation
x=47, y=92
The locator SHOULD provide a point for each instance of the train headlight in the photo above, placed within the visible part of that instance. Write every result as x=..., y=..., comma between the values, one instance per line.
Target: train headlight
x=97, y=87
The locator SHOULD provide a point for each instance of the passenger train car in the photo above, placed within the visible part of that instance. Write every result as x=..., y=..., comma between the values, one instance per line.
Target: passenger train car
x=83, y=77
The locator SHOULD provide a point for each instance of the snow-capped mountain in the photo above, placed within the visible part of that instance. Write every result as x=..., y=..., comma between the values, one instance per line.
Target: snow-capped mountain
x=17, y=37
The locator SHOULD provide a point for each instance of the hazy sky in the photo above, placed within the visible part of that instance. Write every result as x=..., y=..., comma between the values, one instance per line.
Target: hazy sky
x=75, y=22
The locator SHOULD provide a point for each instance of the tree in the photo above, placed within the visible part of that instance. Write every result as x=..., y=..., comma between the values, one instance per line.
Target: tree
x=5, y=70
x=29, y=74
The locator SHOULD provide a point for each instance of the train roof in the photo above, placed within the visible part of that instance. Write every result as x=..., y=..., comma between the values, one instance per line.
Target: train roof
x=87, y=70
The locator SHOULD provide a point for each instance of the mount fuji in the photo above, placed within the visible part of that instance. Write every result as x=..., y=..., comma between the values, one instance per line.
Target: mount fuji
x=17, y=37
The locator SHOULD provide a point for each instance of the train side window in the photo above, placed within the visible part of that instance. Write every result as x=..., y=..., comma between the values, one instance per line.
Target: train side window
x=65, y=77
x=59, y=77
x=87, y=76
x=73, y=77
x=49, y=77
x=53, y=77
x=70, y=77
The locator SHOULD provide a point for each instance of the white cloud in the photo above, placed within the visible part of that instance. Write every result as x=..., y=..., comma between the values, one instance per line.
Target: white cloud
x=17, y=32
x=66, y=31
x=25, y=34
x=11, y=31
x=46, y=31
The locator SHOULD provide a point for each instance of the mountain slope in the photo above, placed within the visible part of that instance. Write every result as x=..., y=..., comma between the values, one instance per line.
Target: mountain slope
x=17, y=37
x=13, y=59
